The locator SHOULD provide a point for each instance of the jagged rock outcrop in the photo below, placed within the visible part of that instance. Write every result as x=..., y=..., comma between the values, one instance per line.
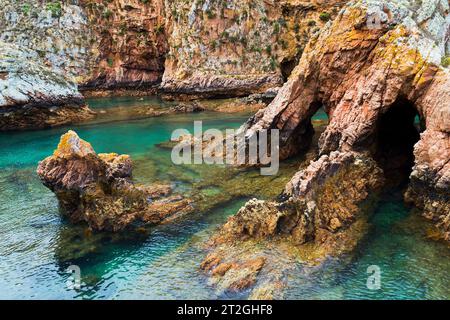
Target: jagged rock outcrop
x=34, y=96
x=372, y=80
x=374, y=69
x=237, y=47
x=98, y=189
x=326, y=197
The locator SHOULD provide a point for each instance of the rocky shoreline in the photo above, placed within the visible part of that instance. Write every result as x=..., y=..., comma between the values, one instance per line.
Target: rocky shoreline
x=369, y=81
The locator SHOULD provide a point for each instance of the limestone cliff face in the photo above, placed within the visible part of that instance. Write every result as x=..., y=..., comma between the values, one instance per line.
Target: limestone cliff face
x=128, y=43
x=237, y=47
x=101, y=44
x=57, y=31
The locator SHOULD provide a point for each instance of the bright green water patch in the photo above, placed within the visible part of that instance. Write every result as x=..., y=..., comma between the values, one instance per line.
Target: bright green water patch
x=162, y=262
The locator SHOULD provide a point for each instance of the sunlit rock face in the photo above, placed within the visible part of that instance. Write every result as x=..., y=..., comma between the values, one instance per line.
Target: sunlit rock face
x=128, y=43
x=33, y=95
x=97, y=189
x=207, y=47
x=372, y=75
x=237, y=47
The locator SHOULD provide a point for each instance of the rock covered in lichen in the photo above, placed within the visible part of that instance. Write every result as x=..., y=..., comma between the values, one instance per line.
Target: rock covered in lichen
x=221, y=47
x=98, y=189
x=373, y=69
x=99, y=44
x=320, y=201
x=371, y=78
x=33, y=95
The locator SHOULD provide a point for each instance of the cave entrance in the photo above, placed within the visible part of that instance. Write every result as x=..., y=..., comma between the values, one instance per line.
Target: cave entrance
x=398, y=131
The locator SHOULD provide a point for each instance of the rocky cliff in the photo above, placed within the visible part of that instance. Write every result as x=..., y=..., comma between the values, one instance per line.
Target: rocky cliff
x=101, y=44
x=237, y=47
x=128, y=43
x=373, y=79
x=210, y=46
x=197, y=48
x=33, y=95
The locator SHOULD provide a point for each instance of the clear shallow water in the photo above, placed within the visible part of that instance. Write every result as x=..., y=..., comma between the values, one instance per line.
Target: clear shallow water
x=36, y=245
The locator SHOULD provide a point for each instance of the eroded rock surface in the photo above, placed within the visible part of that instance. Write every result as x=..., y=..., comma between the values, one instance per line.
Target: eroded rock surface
x=33, y=95
x=98, y=189
x=362, y=75
x=237, y=47
x=375, y=69
x=101, y=44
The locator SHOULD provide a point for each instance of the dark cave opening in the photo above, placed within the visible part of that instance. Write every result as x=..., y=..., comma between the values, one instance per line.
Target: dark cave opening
x=397, y=132
x=287, y=66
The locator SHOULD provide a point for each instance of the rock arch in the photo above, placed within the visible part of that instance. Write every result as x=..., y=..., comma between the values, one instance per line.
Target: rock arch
x=362, y=76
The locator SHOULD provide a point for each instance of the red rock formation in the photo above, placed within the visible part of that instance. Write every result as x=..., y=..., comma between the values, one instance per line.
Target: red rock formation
x=235, y=48
x=362, y=76
x=372, y=80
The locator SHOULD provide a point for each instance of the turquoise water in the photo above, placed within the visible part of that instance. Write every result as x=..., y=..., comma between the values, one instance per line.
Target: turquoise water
x=37, y=245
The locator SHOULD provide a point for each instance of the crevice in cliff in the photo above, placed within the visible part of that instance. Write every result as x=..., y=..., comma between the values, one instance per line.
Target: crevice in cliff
x=398, y=130
x=287, y=66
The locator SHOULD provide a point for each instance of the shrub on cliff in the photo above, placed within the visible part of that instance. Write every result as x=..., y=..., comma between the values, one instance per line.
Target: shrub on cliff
x=445, y=61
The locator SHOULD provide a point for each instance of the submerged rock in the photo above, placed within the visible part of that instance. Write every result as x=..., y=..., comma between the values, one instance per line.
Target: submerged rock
x=33, y=96
x=98, y=189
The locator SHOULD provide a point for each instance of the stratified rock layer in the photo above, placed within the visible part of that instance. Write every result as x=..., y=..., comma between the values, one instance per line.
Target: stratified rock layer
x=33, y=96
x=101, y=44
x=128, y=43
x=98, y=189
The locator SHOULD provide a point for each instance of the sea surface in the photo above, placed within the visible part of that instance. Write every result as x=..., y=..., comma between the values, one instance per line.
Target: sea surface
x=37, y=245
